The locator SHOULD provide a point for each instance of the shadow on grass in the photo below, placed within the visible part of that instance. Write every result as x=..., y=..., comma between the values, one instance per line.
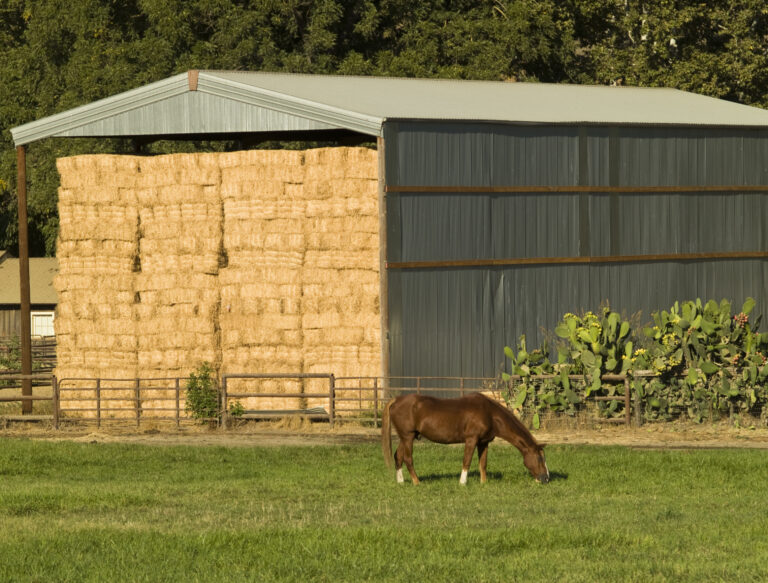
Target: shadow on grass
x=492, y=476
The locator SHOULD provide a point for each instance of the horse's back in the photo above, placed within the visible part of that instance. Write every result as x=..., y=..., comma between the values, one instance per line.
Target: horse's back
x=443, y=420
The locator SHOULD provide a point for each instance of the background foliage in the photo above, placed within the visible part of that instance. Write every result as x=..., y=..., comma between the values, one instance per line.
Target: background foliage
x=57, y=55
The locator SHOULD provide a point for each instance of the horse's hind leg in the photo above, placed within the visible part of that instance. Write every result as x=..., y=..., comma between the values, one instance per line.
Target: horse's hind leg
x=399, y=455
x=407, y=445
x=482, y=455
x=469, y=450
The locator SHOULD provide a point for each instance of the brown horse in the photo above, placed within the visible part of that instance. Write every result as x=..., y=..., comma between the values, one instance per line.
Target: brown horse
x=475, y=420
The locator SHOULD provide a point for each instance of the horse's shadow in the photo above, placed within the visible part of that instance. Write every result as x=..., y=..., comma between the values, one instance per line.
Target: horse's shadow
x=553, y=476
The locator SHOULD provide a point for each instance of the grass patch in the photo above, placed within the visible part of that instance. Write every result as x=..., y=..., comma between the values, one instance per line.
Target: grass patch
x=117, y=512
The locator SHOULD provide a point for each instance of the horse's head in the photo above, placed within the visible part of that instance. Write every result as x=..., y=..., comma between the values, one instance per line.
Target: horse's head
x=533, y=458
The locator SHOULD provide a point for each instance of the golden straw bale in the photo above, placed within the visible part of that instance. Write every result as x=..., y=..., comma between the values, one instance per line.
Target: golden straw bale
x=176, y=194
x=167, y=324
x=317, y=190
x=94, y=266
x=371, y=320
x=98, y=169
x=174, y=281
x=258, y=174
x=282, y=226
x=251, y=191
x=254, y=209
x=362, y=163
x=94, y=248
x=343, y=225
x=179, y=169
x=103, y=286
x=337, y=260
x=159, y=263
x=317, y=290
x=240, y=336
x=349, y=241
x=324, y=320
x=97, y=196
x=105, y=223
x=325, y=156
x=121, y=342
x=261, y=158
x=187, y=295
x=336, y=335
x=343, y=207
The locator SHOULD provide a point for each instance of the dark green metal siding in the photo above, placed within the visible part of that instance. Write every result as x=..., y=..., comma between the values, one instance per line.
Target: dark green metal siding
x=456, y=321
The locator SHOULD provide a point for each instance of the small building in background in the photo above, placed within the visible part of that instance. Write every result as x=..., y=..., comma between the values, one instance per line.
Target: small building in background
x=42, y=295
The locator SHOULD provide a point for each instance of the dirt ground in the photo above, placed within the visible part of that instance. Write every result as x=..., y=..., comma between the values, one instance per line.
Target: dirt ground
x=303, y=433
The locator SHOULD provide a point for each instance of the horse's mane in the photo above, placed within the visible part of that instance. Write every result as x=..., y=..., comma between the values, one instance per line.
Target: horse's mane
x=513, y=420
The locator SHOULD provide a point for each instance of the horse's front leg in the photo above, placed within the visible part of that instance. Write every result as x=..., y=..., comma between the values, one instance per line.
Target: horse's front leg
x=469, y=450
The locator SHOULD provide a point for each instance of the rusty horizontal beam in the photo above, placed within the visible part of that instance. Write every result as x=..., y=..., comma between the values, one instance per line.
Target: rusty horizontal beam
x=575, y=189
x=578, y=260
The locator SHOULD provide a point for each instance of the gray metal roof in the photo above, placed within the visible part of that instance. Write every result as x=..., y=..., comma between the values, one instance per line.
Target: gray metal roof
x=216, y=102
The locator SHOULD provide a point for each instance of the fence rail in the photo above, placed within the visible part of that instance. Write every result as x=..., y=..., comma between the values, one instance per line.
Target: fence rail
x=320, y=396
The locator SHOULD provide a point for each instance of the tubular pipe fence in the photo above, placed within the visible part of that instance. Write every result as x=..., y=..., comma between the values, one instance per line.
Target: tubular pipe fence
x=341, y=399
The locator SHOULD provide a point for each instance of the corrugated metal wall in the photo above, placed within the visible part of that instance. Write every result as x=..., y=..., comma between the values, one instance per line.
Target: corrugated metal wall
x=456, y=321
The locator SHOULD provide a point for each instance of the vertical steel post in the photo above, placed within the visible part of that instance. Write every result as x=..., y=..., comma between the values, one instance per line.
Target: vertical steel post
x=55, y=387
x=26, y=323
x=137, y=388
x=224, y=398
x=627, y=402
x=375, y=401
x=98, y=402
x=332, y=399
x=383, y=276
x=178, y=401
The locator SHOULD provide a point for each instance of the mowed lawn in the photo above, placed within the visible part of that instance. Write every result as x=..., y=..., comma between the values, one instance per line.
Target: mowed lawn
x=118, y=512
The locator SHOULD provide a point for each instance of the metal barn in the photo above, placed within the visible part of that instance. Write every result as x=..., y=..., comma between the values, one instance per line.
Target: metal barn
x=502, y=205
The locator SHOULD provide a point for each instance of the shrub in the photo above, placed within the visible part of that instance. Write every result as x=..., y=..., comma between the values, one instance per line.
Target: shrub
x=202, y=393
x=701, y=360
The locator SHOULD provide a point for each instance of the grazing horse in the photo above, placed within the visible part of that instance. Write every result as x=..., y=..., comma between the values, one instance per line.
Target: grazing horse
x=475, y=420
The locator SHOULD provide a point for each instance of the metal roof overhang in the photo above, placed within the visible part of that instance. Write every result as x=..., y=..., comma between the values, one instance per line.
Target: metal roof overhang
x=315, y=120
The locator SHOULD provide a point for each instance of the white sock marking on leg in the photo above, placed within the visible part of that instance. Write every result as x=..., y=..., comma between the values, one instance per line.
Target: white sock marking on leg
x=463, y=479
x=400, y=478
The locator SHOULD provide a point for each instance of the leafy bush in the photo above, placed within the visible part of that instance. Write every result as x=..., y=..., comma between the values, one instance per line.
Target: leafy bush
x=696, y=359
x=203, y=393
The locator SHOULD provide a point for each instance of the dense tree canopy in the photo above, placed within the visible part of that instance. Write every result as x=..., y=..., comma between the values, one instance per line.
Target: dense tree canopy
x=58, y=54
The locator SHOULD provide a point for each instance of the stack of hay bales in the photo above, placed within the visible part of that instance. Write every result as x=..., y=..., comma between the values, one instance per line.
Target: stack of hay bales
x=340, y=296
x=256, y=262
x=180, y=246
x=98, y=215
x=261, y=285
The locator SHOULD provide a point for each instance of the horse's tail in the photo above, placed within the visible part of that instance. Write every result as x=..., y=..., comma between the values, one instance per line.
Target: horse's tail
x=386, y=434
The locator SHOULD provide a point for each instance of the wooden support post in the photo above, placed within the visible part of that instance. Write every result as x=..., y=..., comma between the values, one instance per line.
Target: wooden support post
x=26, y=322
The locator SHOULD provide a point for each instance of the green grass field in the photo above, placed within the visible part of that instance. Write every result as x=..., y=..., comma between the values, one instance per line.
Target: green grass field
x=117, y=512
